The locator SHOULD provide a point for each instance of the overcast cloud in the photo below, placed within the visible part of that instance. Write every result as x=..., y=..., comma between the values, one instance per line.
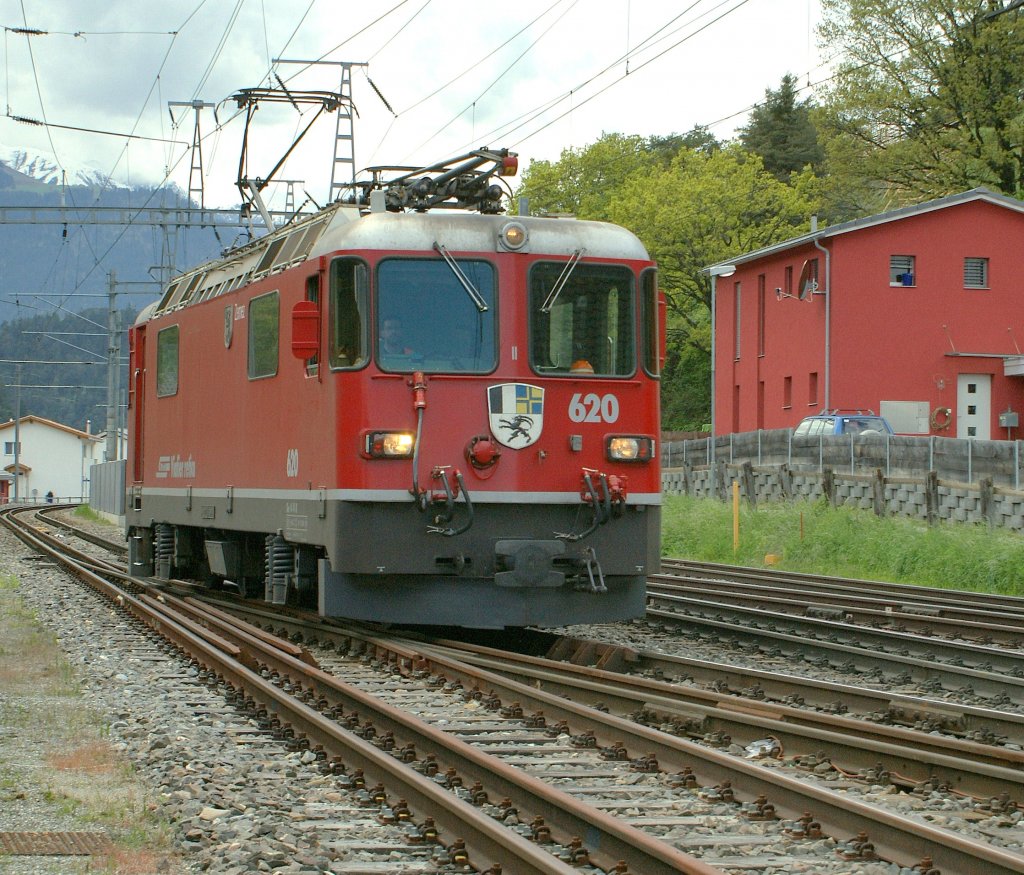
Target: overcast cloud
x=113, y=66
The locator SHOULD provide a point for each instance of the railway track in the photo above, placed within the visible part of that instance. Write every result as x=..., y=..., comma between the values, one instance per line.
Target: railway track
x=897, y=602
x=807, y=630
x=654, y=779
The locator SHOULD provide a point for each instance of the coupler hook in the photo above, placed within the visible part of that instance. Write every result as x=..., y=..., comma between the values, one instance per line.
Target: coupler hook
x=601, y=513
x=592, y=565
x=441, y=473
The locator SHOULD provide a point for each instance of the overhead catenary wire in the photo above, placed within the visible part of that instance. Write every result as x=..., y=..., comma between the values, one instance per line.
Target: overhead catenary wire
x=572, y=93
x=503, y=73
x=526, y=124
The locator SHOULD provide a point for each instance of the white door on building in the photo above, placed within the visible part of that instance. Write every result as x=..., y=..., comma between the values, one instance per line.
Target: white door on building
x=974, y=406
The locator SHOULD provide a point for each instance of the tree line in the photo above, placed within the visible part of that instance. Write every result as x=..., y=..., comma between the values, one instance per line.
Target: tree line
x=49, y=386
x=925, y=101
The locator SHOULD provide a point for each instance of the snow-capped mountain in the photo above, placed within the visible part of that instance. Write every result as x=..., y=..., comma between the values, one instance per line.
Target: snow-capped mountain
x=43, y=169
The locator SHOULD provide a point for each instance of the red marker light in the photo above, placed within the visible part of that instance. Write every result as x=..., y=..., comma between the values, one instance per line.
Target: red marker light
x=510, y=165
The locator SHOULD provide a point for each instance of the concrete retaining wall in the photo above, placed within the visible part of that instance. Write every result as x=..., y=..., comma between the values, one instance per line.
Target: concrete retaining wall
x=925, y=498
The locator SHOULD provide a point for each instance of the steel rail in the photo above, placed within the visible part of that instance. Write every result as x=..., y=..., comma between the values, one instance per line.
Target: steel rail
x=894, y=837
x=999, y=678
x=911, y=757
x=1000, y=606
x=921, y=618
x=815, y=628
x=609, y=840
x=48, y=514
x=760, y=684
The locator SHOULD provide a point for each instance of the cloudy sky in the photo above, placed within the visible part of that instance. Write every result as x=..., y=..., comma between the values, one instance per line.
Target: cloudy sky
x=537, y=76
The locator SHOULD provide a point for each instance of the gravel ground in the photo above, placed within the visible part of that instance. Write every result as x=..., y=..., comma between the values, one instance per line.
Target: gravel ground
x=59, y=771
x=101, y=731
x=187, y=784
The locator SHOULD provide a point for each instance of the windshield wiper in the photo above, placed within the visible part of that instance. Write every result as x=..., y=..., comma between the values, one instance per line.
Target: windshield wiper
x=563, y=278
x=467, y=283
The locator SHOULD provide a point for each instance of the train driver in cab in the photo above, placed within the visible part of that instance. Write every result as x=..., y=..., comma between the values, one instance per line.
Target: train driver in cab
x=392, y=339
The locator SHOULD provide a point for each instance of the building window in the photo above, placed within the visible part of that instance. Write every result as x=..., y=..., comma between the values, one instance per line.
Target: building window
x=787, y=392
x=264, y=332
x=902, y=270
x=812, y=389
x=975, y=273
x=736, y=298
x=787, y=286
x=9, y=448
x=167, y=362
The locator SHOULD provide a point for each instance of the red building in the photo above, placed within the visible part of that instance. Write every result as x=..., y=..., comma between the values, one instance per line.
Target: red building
x=916, y=313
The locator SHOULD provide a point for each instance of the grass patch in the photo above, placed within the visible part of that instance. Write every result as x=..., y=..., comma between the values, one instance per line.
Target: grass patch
x=817, y=538
x=84, y=512
x=77, y=773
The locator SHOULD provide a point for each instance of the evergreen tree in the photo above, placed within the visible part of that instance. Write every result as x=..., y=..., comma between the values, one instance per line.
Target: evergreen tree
x=781, y=131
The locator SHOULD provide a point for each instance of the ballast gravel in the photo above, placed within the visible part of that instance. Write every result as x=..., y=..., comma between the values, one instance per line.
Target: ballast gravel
x=237, y=801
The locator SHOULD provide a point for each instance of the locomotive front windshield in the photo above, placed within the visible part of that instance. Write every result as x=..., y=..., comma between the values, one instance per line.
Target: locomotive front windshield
x=431, y=319
x=582, y=319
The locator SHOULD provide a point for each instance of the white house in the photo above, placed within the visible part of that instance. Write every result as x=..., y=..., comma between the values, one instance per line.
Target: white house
x=51, y=458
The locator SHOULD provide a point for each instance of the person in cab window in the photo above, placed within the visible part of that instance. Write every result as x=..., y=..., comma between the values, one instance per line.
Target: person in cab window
x=391, y=340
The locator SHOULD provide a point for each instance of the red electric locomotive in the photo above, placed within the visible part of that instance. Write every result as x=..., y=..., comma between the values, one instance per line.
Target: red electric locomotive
x=464, y=434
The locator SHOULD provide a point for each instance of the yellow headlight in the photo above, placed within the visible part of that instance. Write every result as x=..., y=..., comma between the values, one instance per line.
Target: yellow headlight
x=389, y=444
x=629, y=448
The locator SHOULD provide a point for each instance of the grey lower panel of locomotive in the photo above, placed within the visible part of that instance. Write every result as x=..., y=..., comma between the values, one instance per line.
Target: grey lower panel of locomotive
x=525, y=576
x=382, y=562
x=475, y=603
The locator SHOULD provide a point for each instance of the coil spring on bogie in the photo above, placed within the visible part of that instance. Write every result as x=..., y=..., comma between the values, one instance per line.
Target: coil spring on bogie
x=279, y=566
x=163, y=538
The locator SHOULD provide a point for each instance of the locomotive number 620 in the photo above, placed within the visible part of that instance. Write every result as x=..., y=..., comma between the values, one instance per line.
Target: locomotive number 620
x=593, y=407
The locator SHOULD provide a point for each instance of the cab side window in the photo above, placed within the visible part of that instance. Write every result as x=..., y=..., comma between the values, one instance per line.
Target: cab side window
x=348, y=313
x=167, y=362
x=264, y=335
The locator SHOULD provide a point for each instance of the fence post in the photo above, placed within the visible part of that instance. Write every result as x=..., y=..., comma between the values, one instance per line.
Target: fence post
x=720, y=479
x=747, y=472
x=987, y=504
x=970, y=461
x=828, y=485
x=786, y=481
x=878, y=492
x=931, y=497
